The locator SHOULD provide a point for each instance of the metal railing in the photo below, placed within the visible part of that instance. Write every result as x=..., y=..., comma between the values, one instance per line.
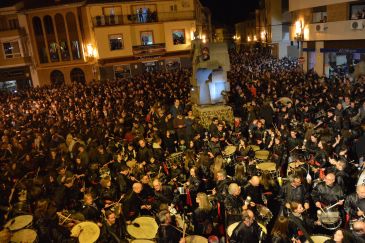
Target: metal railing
x=149, y=17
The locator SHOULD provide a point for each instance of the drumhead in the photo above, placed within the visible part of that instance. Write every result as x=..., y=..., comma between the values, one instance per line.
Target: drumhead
x=319, y=238
x=268, y=166
x=231, y=228
x=19, y=222
x=86, y=232
x=196, y=239
x=143, y=228
x=24, y=235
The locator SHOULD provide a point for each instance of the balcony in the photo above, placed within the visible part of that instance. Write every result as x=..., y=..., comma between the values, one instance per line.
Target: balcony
x=149, y=50
x=110, y=20
x=338, y=30
x=7, y=32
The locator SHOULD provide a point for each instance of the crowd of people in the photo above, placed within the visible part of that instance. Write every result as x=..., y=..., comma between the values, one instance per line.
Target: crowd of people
x=129, y=158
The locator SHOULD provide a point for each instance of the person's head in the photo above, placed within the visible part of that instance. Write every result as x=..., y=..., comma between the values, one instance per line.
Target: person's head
x=193, y=171
x=203, y=201
x=221, y=175
x=137, y=187
x=142, y=143
x=359, y=228
x=88, y=199
x=330, y=179
x=164, y=217
x=220, y=126
x=343, y=236
x=280, y=226
x=105, y=182
x=293, y=134
x=255, y=181
x=295, y=181
x=360, y=191
x=234, y=189
x=296, y=207
x=145, y=179
x=157, y=185
x=110, y=217
x=248, y=217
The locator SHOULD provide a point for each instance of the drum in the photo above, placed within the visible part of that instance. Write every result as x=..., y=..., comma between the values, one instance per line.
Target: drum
x=262, y=155
x=264, y=214
x=20, y=222
x=196, y=239
x=330, y=218
x=231, y=228
x=87, y=232
x=229, y=153
x=142, y=241
x=21, y=208
x=176, y=158
x=25, y=236
x=143, y=228
x=267, y=166
x=319, y=238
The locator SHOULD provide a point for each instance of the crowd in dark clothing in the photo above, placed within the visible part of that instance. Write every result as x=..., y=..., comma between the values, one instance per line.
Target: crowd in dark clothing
x=113, y=152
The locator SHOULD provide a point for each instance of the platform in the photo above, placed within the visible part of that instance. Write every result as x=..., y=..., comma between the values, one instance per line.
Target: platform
x=206, y=113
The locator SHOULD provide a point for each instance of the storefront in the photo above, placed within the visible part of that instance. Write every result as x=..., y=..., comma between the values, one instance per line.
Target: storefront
x=16, y=78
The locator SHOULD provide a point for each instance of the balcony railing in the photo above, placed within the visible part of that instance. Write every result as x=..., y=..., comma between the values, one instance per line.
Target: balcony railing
x=149, y=50
x=110, y=20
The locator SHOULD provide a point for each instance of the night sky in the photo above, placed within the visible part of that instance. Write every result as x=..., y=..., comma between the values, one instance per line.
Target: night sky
x=229, y=12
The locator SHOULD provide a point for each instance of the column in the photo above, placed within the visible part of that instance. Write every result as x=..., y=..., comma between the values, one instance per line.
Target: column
x=319, y=65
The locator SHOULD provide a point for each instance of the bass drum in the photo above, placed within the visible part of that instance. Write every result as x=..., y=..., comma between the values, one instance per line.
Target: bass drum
x=25, y=235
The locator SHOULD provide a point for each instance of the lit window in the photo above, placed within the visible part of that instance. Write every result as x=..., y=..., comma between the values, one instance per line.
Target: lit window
x=116, y=42
x=11, y=49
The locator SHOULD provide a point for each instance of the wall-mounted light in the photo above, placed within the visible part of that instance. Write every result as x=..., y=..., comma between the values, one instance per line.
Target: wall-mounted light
x=90, y=50
x=254, y=38
x=248, y=39
x=263, y=35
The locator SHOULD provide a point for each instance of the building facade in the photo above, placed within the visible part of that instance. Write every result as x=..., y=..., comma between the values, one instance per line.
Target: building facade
x=16, y=68
x=65, y=41
x=331, y=33
x=267, y=25
x=136, y=36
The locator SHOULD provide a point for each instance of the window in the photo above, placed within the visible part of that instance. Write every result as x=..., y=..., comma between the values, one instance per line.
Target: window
x=116, y=42
x=146, y=37
x=13, y=23
x=178, y=37
x=357, y=11
x=319, y=14
x=11, y=49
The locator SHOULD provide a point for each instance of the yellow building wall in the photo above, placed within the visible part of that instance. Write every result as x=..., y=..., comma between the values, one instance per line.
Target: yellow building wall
x=337, y=12
x=44, y=74
x=102, y=41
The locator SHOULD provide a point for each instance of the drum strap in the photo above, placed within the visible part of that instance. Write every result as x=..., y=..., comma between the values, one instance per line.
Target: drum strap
x=301, y=228
x=188, y=198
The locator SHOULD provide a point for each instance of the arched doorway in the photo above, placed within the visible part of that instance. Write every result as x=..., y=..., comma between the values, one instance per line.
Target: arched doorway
x=57, y=78
x=78, y=76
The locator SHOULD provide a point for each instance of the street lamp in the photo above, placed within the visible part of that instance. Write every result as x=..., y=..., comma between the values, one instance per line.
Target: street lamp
x=299, y=32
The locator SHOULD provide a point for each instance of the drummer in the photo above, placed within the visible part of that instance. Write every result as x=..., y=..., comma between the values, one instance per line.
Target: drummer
x=163, y=194
x=167, y=233
x=254, y=190
x=355, y=203
x=327, y=192
x=113, y=229
x=247, y=230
